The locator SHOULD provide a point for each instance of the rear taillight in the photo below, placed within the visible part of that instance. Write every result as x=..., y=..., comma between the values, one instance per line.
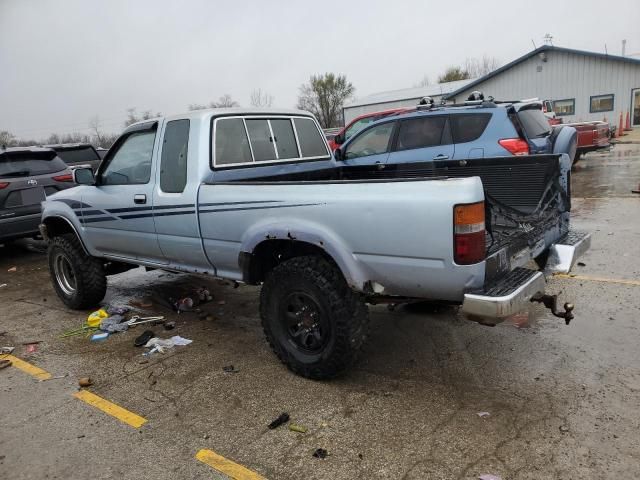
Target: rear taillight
x=468, y=233
x=515, y=146
x=4, y=185
x=67, y=177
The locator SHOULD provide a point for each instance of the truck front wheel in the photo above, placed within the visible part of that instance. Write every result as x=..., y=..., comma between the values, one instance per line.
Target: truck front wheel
x=314, y=322
x=78, y=279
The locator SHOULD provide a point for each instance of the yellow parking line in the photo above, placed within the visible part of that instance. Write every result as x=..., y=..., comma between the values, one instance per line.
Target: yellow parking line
x=599, y=279
x=229, y=468
x=122, y=414
x=27, y=367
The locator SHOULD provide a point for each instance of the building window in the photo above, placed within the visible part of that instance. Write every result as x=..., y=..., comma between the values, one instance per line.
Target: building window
x=601, y=103
x=565, y=107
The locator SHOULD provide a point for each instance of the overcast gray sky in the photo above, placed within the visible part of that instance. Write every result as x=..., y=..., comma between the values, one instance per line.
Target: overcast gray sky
x=64, y=61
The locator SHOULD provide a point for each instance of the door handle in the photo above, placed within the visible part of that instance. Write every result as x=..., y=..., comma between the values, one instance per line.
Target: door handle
x=441, y=157
x=140, y=198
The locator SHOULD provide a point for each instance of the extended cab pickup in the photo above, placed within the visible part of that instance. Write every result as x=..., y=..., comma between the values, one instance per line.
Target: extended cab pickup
x=256, y=196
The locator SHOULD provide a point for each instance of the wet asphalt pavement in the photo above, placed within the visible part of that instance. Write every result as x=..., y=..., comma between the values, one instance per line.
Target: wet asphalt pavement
x=563, y=401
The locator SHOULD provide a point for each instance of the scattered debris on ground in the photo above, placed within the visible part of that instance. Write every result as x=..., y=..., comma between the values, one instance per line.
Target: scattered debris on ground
x=483, y=414
x=229, y=369
x=297, y=428
x=12, y=269
x=488, y=476
x=282, y=419
x=320, y=453
x=161, y=344
x=4, y=363
x=85, y=382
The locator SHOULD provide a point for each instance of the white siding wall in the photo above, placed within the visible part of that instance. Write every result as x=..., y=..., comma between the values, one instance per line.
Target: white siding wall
x=565, y=75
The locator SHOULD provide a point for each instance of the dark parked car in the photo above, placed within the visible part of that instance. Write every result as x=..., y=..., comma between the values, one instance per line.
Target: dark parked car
x=27, y=176
x=77, y=154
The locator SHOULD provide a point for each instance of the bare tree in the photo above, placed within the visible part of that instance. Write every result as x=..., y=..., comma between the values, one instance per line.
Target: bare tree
x=133, y=117
x=479, y=67
x=424, y=82
x=94, y=125
x=6, y=138
x=324, y=96
x=260, y=99
x=224, y=101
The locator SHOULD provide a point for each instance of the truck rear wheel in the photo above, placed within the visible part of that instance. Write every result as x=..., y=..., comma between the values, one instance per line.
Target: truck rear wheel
x=314, y=322
x=78, y=278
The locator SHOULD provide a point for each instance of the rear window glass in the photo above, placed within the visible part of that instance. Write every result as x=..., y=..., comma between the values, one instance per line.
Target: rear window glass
x=467, y=128
x=78, y=155
x=311, y=141
x=261, y=140
x=232, y=144
x=534, y=122
x=421, y=132
x=21, y=166
x=285, y=138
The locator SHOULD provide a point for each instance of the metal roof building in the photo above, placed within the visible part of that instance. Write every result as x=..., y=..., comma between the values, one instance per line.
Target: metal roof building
x=407, y=97
x=582, y=85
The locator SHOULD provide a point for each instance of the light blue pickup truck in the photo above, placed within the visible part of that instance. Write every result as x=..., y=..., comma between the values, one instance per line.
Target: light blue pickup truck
x=256, y=196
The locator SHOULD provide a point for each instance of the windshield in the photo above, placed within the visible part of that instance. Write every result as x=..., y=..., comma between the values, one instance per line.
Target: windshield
x=22, y=167
x=534, y=122
x=83, y=154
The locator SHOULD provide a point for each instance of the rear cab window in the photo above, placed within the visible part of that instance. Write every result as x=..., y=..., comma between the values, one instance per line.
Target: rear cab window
x=248, y=140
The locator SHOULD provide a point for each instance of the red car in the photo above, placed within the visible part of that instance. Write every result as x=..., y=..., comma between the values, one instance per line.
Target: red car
x=359, y=123
x=591, y=136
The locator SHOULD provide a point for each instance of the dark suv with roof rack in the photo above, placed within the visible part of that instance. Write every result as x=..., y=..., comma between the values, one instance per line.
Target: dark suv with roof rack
x=27, y=176
x=475, y=129
x=77, y=154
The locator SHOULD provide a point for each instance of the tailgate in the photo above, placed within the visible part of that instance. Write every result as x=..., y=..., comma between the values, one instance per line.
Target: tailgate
x=527, y=203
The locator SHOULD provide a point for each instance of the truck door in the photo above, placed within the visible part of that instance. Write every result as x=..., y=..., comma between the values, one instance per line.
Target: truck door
x=118, y=216
x=175, y=197
x=422, y=139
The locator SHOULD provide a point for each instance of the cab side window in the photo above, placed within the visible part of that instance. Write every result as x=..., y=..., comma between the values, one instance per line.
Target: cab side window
x=173, y=163
x=131, y=163
x=371, y=142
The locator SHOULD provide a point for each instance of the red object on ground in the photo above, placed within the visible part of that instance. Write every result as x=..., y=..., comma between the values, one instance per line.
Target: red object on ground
x=627, y=126
x=621, y=126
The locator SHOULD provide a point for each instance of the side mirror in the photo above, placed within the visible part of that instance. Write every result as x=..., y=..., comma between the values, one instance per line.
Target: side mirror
x=83, y=176
x=338, y=139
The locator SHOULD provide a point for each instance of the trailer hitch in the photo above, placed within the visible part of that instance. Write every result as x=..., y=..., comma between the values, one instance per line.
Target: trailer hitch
x=551, y=302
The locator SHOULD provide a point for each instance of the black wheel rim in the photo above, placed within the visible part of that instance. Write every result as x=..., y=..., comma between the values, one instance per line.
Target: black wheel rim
x=304, y=322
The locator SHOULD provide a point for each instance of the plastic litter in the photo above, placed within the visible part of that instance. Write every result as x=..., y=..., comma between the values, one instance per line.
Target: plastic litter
x=483, y=414
x=31, y=347
x=93, y=320
x=297, y=428
x=2, y=285
x=6, y=350
x=99, y=337
x=282, y=419
x=488, y=476
x=322, y=453
x=5, y=363
x=162, y=344
x=137, y=320
x=183, y=305
x=12, y=269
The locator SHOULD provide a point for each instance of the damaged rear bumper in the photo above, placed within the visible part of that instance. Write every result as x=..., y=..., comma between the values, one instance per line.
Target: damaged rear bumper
x=564, y=254
x=508, y=296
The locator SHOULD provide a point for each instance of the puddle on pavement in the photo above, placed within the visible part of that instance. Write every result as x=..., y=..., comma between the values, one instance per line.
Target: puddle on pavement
x=608, y=173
